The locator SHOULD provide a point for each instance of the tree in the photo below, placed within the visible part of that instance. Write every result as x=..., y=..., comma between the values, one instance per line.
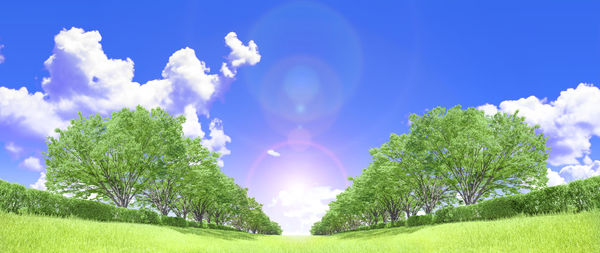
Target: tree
x=478, y=155
x=419, y=173
x=112, y=157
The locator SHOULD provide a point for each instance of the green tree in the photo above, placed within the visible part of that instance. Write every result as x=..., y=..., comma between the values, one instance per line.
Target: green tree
x=422, y=183
x=478, y=155
x=112, y=157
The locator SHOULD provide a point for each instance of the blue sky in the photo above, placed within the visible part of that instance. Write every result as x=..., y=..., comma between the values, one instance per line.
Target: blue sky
x=332, y=79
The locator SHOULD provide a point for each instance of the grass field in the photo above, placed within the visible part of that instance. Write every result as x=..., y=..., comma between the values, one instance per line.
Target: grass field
x=552, y=233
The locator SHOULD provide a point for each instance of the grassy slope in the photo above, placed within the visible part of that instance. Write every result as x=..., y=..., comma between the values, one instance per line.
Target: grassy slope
x=552, y=233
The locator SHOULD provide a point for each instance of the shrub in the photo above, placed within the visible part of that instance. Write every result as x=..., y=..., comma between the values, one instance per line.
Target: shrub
x=582, y=194
x=12, y=196
x=464, y=213
x=173, y=221
x=418, y=220
x=128, y=215
x=90, y=210
x=594, y=183
x=149, y=217
x=398, y=223
x=44, y=203
x=497, y=208
x=194, y=224
x=443, y=215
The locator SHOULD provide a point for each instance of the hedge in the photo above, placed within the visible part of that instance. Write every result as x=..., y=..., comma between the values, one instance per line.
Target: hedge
x=577, y=196
x=16, y=198
x=173, y=221
x=418, y=220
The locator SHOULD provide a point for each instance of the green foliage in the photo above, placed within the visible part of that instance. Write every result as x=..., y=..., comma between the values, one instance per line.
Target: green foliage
x=584, y=193
x=149, y=217
x=443, y=215
x=419, y=220
x=464, y=213
x=114, y=157
x=128, y=215
x=498, y=208
x=12, y=196
x=173, y=221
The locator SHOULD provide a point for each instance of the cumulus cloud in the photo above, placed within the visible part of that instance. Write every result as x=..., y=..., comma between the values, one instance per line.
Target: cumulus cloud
x=191, y=126
x=488, y=109
x=554, y=178
x=218, y=140
x=21, y=110
x=305, y=205
x=12, y=148
x=241, y=54
x=40, y=184
x=83, y=78
x=570, y=121
x=273, y=153
x=582, y=171
x=32, y=163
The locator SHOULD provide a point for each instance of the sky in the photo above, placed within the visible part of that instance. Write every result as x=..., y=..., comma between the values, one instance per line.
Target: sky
x=295, y=93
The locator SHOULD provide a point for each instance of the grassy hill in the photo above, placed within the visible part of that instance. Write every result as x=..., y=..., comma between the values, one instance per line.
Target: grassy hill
x=551, y=233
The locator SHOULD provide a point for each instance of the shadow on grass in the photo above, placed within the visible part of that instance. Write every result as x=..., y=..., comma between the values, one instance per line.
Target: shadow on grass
x=367, y=234
x=221, y=234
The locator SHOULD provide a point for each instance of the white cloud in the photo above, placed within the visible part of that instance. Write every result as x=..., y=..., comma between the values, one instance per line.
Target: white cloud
x=273, y=153
x=83, y=78
x=13, y=148
x=226, y=71
x=554, y=178
x=218, y=140
x=488, y=109
x=306, y=205
x=569, y=121
x=19, y=109
x=241, y=55
x=32, y=163
x=582, y=171
x=40, y=184
x=191, y=126
x=1, y=56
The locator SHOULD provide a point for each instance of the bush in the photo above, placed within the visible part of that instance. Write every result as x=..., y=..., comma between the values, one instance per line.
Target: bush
x=194, y=224
x=44, y=203
x=464, y=213
x=418, y=220
x=443, y=215
x=12, y=196
x=497, y=208
x=173, y=221
x=398, y=223
x=582, y=194
x=548, y=200
x=149, y=217
x=90, y=210
x=128, y=215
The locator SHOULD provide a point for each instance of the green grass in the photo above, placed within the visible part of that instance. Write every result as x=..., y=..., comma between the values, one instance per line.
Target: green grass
x=551, y=233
